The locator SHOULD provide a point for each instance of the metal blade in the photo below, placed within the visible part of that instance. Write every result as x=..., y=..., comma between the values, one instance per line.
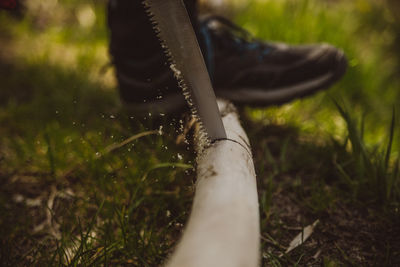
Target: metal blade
x=174, y=29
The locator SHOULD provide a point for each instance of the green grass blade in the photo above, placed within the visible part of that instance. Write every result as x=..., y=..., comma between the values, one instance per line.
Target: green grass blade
x=389, y=146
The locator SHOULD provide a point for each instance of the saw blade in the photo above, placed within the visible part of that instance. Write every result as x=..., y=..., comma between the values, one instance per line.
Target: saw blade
x=173, y=27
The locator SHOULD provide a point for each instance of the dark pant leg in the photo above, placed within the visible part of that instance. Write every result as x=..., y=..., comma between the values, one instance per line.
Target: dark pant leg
x=136, y=51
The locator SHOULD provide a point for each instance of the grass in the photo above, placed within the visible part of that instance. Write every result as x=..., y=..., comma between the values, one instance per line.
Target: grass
x=84, y=183
x=374, y=179
x=98, y=190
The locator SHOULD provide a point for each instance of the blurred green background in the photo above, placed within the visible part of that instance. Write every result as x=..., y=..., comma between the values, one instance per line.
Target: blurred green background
x=60, y=114
x=72, y=35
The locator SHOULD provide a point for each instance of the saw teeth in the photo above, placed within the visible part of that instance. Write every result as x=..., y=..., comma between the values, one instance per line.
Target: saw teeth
x=203, y=136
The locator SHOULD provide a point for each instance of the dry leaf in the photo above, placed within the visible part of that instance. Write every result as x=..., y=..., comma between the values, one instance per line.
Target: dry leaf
x=302, y=237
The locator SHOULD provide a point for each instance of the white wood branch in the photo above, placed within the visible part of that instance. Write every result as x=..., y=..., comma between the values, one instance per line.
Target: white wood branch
x=223, y=227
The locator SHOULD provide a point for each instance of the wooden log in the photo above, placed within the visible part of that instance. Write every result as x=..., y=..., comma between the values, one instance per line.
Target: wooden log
x=223, y=227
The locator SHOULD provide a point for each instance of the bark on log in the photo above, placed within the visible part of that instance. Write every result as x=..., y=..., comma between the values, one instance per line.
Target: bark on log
x=223, y=228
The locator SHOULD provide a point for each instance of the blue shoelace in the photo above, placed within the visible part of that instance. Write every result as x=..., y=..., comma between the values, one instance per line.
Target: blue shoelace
x=232, y=35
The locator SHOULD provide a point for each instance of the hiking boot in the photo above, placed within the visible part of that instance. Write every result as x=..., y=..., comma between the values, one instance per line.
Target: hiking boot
x=242, y=69
x=248, y=71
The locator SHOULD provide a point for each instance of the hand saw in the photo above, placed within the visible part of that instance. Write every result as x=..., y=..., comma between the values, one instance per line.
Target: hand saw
x=173, y=27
